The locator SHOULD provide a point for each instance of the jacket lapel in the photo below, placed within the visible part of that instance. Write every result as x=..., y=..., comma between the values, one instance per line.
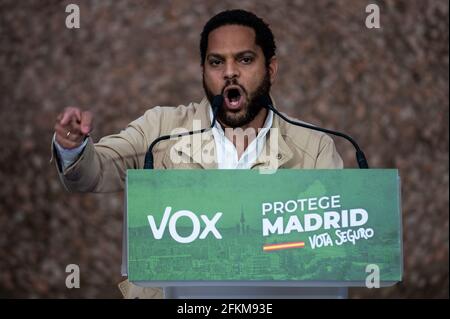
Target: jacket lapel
x=199, y=148
x=275, y=151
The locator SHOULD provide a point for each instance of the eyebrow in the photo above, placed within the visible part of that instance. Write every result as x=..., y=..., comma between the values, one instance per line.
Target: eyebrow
x=237, y=55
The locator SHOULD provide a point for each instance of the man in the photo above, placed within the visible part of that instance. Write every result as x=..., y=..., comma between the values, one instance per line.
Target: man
x=238, y=61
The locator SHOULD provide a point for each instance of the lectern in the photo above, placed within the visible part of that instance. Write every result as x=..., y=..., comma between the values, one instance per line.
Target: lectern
x=254, y=234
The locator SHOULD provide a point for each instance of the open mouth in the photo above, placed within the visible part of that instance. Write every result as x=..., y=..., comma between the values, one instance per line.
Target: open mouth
x=233, y=98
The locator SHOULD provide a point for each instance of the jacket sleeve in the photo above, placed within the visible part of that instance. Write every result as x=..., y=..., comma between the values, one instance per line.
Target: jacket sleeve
x=102, y=166
x=328, y=157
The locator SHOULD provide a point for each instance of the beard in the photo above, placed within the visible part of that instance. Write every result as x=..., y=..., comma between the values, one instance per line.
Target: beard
x=252, y=106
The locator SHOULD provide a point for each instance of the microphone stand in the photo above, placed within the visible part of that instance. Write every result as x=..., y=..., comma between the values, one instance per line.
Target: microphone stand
x=360, y=157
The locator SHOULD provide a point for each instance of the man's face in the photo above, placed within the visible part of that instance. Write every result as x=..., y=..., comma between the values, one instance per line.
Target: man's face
x=235, y=67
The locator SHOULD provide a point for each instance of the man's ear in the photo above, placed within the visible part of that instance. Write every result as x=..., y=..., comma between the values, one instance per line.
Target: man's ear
x=273, y=69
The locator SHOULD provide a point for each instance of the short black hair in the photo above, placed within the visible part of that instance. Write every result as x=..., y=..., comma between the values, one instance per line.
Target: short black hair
x=263, y=35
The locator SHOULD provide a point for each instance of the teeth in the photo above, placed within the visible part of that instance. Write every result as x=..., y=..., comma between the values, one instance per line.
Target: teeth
x=233, y=97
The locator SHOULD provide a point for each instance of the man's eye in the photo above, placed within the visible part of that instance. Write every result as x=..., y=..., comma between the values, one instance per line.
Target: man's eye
x=247, y=60
x=215, y=62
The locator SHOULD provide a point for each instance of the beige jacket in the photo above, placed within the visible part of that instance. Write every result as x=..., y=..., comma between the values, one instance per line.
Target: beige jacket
x=102, y=166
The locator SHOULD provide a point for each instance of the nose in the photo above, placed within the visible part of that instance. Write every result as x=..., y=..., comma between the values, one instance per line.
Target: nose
x=231, y=71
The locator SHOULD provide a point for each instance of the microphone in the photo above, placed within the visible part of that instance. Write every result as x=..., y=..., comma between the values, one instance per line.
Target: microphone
x=360, y=157
x=216, y=104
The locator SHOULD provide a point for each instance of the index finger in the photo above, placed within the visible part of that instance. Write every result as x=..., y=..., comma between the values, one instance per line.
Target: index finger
x=86, y=122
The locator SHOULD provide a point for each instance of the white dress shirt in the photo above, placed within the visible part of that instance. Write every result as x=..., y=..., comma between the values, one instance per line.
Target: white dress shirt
x=226, y=152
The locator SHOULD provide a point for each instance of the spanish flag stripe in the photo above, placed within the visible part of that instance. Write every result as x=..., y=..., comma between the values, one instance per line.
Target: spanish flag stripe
x=299, y=244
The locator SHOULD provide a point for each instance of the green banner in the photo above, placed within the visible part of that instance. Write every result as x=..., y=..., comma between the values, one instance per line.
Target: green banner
x=241, y=225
